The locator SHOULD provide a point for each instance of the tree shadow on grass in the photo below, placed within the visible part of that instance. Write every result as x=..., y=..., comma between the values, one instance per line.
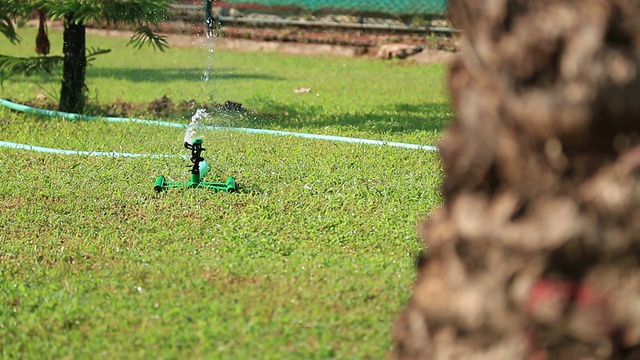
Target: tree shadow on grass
x=172, y=74
x=156, y=75
x=390, y=118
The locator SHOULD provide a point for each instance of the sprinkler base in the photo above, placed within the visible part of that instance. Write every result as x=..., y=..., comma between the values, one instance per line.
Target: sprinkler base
x=228, y=186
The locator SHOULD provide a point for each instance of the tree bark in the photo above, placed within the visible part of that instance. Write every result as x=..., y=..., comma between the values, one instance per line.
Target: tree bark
x=536, y=251
x=74, y=66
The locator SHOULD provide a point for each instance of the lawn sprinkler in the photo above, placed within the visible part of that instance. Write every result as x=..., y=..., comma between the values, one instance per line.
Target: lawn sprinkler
x=198, y=170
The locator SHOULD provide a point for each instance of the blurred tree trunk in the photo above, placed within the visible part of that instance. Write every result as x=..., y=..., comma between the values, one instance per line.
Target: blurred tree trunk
x=536, y=251
x=75, y=63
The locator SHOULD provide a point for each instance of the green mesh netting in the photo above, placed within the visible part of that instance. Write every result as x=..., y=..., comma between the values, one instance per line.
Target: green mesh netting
x=395, y=7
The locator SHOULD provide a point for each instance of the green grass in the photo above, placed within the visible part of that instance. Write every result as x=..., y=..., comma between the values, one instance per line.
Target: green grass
x=314, y=258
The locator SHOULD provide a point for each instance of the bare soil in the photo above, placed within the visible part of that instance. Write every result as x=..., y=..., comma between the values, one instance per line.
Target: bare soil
x=441, y=49
x=161, y=108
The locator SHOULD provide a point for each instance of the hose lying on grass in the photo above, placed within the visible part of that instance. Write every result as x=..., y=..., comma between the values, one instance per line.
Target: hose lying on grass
x=71, y=116
x=79, y=152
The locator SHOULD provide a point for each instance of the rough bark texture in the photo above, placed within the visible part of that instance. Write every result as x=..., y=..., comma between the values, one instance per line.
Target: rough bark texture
x=43, y=46
x=74, y=66
x=536, y=252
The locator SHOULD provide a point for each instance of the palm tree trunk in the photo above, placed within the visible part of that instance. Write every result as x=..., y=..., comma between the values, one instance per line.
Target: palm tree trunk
x=74, y=66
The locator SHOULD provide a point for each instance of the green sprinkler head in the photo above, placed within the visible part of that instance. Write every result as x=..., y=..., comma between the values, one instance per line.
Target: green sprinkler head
x=199, y=169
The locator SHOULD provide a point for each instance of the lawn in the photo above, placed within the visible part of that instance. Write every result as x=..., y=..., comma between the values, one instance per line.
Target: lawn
x=313, y=258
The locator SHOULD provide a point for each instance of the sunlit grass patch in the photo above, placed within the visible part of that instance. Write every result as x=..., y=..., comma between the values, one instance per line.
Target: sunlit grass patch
x=312, y=258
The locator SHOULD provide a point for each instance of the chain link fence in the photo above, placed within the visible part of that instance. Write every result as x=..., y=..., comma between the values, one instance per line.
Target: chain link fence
x=402, y=16
x=389, y=7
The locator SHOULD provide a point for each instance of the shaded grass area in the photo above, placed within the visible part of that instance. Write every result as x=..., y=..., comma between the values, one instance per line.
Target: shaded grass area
x=351, y=97
x=393, y=119
x=312, y=259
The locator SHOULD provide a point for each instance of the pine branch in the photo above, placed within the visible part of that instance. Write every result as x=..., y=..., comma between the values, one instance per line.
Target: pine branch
x=10, y=65
x=9, y=11
x=145, y=36
x=27, y=66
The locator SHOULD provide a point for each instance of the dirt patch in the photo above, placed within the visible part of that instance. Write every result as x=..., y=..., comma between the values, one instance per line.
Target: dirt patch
x=350, y=43
x=161, y=108
x=305, y=42
x=536, y=252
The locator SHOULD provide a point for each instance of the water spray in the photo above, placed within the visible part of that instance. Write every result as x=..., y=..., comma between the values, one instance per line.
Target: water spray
x=199, y=169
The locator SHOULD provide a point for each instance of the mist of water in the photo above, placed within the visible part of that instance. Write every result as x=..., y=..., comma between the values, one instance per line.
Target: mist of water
x=208, y=44
x=207, y=72
x=201, y=114
x=196, y=120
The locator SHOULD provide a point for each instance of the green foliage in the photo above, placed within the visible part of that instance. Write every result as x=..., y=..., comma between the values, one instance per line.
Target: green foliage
x=10, y=65
x=26, y=66
x=113, y=12
x=11, y=10
x=141, y=13
x=7, y=29
x=138, y=12
x=145, y=36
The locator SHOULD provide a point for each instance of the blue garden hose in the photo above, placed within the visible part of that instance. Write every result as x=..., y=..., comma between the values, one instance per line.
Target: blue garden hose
x=72, y=116
x=79, y=152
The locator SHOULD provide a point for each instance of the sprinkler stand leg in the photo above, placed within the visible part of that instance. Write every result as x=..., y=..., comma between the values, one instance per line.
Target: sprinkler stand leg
x=195, y=180
x=159, y=184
